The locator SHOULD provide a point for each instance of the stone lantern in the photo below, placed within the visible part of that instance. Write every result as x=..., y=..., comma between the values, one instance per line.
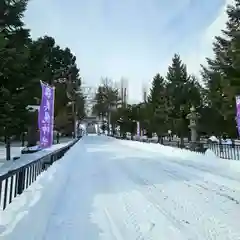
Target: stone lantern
x=169, y=135
x=193, y=117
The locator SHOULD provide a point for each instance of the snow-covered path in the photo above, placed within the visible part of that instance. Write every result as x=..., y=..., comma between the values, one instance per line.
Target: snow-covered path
x=106, y=190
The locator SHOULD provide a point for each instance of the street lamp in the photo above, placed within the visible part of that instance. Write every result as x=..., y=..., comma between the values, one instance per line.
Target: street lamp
x=182, y=119
x=72, y=96
x=66, y=77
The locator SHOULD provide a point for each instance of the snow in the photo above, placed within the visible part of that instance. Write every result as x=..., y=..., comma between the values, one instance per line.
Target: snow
x=15, y=152
x=105, y=188
x=184, y=156
x=27, y=158
x=16, y=149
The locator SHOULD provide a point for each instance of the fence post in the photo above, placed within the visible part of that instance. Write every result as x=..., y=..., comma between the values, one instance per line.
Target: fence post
x=57, y=137
x=23, y=138
x=233, y=155
x=21, y=181
x=8, y=148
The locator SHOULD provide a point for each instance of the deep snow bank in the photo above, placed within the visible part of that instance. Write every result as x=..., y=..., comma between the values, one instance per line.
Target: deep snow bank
x=207, y=160
x=28, y=158
x=37, y=200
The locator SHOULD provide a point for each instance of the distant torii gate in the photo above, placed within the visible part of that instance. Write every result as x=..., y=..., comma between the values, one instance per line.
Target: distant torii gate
x=92, y=120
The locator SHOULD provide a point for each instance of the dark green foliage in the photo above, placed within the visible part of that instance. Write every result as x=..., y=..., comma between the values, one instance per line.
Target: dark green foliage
x=159, y=104
x=167, y=105
x=14, y=55
x=24, y=62
x=106, y=98
x=222, y=74
x=171, y=98
x=184, y=91
x=177, y=79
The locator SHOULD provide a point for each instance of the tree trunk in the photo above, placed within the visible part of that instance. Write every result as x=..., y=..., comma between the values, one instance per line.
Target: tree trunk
x=32, y=136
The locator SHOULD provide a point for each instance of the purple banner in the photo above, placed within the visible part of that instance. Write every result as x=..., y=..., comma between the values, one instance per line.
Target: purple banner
x=238, y=113
x=46, y=116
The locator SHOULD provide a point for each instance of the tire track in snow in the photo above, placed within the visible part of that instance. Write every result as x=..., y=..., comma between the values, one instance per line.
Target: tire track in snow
x=151, y=197
x=135, y=206
x=184, y=222
x=205, y=186
x=132, y=216
x=125, y=202
x=120, y=215
x=153, y=191
x=115, y=232
x=195, y=170
x=175, y=169
x=205, y=169
x=219, y=189
x=209, y=200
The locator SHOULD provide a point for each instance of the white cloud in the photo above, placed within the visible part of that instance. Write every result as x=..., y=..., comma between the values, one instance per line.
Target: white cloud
x=127, y=38
x=203, y=47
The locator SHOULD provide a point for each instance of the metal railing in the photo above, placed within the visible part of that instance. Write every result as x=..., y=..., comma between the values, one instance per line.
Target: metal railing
x=226, y=151
x=15, y=181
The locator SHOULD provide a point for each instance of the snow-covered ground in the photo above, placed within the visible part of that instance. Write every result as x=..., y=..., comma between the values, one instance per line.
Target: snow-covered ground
x=27, y=158
x=105, y=188
x=16, y=150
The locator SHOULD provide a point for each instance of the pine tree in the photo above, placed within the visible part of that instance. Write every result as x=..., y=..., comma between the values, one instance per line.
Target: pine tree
x=14, y=40
x=11, y=15
x=178, y=89
x=177, y=78
x=106, y=98
x=159, y=106
x=222, y=74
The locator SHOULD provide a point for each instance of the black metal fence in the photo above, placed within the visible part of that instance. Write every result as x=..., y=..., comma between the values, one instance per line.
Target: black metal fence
x=226, y=151
x=14, y=182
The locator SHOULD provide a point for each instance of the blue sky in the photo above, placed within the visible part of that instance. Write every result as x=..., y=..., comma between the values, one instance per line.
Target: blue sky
x=133, y=39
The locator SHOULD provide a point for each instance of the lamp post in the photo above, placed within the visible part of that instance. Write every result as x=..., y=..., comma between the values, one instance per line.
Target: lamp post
x=182, y=126
x=72, y=104
x=66, y=77
x=72, y=96
x=113, y=108
x=105, y=99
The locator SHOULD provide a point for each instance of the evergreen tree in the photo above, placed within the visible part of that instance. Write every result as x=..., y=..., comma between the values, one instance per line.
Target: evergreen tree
x=178, y=89
x=106, y=98
x=14, y=53
x=194, y=92
x=177, y=79
x=12, y=12
x=216, y=105
x=159, y=105
x=24, y=63
x=56, y=66
x=222, y=74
